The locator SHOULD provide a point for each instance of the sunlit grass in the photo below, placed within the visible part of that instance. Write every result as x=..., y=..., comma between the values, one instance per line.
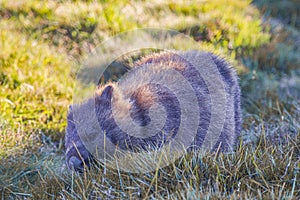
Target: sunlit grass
x=35, y=88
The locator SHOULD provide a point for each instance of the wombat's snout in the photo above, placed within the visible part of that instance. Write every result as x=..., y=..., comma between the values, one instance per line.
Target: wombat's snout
x=78, y=161
x=76, y=164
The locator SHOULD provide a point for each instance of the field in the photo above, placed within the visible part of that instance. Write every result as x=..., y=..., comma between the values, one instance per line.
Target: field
x=43, y=43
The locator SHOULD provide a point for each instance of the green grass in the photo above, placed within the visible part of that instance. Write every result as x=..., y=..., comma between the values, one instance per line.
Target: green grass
x=43, y=43
x=36, y=88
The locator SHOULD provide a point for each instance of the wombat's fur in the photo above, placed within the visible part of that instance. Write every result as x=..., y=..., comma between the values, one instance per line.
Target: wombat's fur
x=138, y=103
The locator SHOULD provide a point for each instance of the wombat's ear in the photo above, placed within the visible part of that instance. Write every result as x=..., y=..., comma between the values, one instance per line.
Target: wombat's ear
x=70, y=113
x=70, y=108
x=107, y=92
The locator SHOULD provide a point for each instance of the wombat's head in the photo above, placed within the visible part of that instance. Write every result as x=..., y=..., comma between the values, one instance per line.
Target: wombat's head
x=84, y=122
x=77, y=156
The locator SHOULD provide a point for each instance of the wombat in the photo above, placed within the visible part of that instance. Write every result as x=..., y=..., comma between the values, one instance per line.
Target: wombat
x=115, y=103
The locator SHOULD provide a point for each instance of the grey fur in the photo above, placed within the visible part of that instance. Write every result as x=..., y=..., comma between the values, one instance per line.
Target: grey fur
x=138, y=103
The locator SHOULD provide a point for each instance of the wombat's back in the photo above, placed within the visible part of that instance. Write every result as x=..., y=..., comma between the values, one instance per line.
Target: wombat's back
x=132, y=101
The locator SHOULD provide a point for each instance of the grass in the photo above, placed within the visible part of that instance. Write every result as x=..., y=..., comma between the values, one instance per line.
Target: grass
x=42, y=44
x=34, y=88
x=263, y=170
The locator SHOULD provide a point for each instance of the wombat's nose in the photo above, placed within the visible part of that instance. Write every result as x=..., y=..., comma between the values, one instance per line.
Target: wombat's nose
x=78, y=158
x=76, y=164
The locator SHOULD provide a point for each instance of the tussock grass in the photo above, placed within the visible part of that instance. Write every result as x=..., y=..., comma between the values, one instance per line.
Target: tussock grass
x=256, y=170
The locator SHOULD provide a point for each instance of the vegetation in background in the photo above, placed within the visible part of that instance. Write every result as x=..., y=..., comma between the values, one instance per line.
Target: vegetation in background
x=53, y=36
x=287, y=12
x=42, y=42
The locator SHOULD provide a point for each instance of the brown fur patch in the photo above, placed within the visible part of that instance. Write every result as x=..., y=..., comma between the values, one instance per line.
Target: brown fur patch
x=170, y=60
